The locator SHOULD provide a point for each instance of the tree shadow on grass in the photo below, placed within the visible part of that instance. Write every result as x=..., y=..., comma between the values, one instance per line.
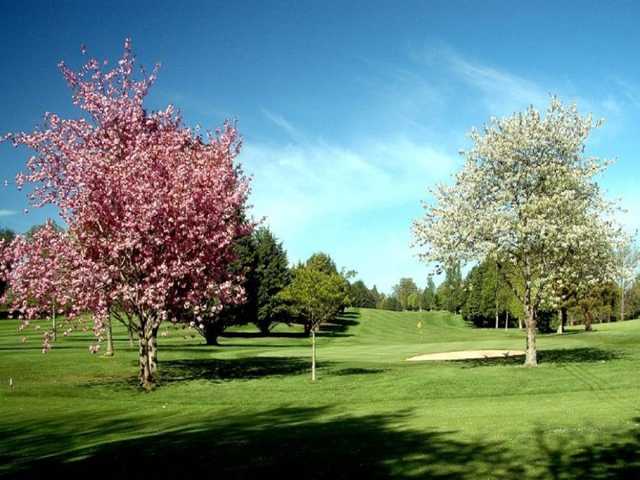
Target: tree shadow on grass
x=231, y=369
x=557, y=356
x=336, y=328
x=283, y=443
x=570, y=456
x=213, y=370
x=22, y=347
x=339, y=325
x=357, y=371
x=297, y=443
x=262, y=335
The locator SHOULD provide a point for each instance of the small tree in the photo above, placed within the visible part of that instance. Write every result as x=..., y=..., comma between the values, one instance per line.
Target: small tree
x=324, y=263
x=525, y=195
x=316, y=297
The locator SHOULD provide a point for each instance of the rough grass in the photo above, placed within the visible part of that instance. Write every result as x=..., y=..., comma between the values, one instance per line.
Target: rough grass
x=248, y=407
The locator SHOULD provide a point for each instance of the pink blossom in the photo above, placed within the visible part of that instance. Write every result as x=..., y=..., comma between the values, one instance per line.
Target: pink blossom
x=152, y=207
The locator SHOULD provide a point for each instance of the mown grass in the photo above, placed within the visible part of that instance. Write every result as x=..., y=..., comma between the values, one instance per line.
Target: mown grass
x=248, y=407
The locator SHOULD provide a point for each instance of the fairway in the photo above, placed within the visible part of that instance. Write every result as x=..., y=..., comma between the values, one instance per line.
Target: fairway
x=248, y=408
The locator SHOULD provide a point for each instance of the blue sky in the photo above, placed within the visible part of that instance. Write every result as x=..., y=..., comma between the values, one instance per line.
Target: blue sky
x=349, y=110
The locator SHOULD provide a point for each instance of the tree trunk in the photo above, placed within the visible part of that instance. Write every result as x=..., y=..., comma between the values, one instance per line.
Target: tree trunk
x=531, y=359
x=588, y=320
x=212, y=331
x=130, y=331
x=560, y=329
x=109, y=352
x=562, y=316
x=313, y=355
x=519, y=323
x=148, y=357
x=53, y=321
x=307, y=329
x=506, y=320
x=264, y=328
x=496, y=299
x=622, y=303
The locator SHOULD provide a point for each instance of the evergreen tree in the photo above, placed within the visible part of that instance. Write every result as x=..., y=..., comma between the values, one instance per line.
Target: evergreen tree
x=246, y=264
x=322, y=262
x=272, y=274
x=403, y=290
x=472, y=309
x=263, y=261
x=391, y=303
x=377, y=297
x=361, y=296
x=450, y=292
x=429, y=295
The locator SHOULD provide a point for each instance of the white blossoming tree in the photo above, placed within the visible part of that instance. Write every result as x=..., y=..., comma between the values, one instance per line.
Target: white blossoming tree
x=585, y=268
x=627, y=259
x=526, y=197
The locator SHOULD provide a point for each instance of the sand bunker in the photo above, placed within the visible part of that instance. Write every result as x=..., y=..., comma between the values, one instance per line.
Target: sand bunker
x=466, y=355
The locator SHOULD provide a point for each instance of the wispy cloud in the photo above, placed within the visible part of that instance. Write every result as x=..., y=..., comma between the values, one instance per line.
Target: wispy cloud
x=282, y=123
x=629, y=90
x=357, y=201
x=7, y=213
x=502, y=91
x=300, y=183
x=611, y=105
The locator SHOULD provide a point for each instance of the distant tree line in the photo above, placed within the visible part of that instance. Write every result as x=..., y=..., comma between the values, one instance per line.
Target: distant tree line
x=484, y=298
x=315, y=291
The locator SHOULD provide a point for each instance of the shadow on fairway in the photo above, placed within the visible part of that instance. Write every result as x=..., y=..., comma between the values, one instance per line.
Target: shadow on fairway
x=210, y=369
x=357, y=371
x=339, y=325
x=262, y=335
x=572, y=457
x=213, y=369
x=285, y=443
x=558, y=356
x=336, y=328
x=297, y=443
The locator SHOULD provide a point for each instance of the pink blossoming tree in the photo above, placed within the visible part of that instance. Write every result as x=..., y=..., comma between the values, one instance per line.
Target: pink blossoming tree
x=47, y=276
x=154, y=205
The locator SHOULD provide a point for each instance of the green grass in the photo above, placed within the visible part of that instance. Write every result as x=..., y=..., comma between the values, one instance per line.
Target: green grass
x=248, y=407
